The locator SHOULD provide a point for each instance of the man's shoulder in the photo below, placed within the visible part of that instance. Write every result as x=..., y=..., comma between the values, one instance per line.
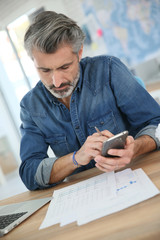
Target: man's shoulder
x=95, y=71
x=30, y=96
x=106, y=59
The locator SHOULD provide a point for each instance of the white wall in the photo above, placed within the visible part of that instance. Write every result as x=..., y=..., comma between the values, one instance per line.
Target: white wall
x=12, y=9
x=149, y=70
x=8, y=129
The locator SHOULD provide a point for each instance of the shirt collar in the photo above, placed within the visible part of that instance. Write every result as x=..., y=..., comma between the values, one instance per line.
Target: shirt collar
x=79, y=84
x=50, y=97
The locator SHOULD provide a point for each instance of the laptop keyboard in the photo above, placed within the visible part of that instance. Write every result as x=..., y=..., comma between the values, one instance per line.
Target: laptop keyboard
x=6, y=220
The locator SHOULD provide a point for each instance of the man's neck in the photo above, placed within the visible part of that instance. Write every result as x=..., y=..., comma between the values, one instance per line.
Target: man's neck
x=65, y=101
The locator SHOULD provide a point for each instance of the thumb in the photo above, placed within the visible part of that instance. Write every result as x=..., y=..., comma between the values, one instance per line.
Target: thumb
x=129, y=140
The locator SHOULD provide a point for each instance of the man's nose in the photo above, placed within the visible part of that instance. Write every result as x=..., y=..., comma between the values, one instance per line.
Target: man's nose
x=57, y=79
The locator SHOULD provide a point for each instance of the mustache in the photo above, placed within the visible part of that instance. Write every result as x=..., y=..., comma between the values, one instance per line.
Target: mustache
x=62, y=85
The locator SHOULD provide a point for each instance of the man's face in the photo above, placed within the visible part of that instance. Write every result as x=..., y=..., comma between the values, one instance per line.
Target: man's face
x=58, y=71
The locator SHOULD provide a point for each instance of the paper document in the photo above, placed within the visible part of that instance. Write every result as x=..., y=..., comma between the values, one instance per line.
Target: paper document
x=132, y=187
x=68, y=201
x=98, y=196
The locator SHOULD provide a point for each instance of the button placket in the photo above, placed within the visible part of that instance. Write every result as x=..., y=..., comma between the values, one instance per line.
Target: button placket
x=75, y=119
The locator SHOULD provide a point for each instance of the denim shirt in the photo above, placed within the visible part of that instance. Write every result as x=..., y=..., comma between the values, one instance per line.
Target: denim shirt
x=107, y=96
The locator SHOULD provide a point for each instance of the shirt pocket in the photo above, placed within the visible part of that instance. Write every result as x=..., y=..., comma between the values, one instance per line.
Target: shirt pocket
x=105, y=122
x=58, y=144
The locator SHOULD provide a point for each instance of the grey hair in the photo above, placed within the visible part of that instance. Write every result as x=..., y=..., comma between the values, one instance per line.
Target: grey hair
x=51, y=30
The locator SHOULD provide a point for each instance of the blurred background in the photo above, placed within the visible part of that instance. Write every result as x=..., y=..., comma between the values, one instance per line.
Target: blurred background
x=127, y=29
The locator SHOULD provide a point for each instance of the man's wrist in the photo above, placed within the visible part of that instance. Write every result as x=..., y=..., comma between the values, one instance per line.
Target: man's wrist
x=74, y=160
x=144, y=144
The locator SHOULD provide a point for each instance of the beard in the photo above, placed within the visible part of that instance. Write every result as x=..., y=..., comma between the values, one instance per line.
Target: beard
x=65, y=92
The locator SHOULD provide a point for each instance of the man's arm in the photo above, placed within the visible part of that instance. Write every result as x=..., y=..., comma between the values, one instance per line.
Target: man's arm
x=143, y=144
x=64, y=166
x=91, y=149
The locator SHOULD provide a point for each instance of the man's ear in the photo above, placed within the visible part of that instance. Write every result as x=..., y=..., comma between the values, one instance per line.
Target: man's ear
x=80, y=53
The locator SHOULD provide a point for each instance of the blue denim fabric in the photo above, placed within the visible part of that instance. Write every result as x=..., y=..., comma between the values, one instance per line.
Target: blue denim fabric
x=107, y=96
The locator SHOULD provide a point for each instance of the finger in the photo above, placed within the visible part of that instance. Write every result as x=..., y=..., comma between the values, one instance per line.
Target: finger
x=105, y=169
x=113, y=162
x=92, y=153
x=109, y=168
x=123, y=155
x=106, y=160
x=96, y=146
x=116, y=152
x=97, y=137
x=107, y=133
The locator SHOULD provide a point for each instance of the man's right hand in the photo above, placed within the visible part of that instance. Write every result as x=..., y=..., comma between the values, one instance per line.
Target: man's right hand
x=92, y=147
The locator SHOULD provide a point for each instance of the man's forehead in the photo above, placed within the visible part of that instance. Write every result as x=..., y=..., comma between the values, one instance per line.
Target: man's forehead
x=53, y=60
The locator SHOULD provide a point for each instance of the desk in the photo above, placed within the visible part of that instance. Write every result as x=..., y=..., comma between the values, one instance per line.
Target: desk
x=141, y=221
x=152, y=86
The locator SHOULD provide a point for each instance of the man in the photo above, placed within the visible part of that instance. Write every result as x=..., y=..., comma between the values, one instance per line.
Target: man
x=73, y=96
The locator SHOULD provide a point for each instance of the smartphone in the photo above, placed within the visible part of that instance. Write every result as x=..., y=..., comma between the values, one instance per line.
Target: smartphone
x=115, y=142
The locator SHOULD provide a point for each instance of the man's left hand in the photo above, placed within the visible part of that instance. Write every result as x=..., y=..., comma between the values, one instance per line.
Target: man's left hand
x=123, y=157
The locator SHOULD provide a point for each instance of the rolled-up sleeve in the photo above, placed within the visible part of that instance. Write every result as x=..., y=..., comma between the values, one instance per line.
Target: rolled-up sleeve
x=150, y=131
x=43, y=172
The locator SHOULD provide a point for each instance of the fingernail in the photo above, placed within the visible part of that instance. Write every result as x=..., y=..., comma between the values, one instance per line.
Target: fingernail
x=96, y=159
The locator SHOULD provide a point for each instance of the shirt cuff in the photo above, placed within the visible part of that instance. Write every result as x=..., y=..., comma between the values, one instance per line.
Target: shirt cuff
x=150, y=131
x=43, y=172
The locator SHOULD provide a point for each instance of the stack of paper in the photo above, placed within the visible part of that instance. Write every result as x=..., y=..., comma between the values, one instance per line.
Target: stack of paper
x=98, y=196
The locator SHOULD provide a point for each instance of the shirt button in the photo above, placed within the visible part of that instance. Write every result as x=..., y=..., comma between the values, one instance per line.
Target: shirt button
x=77, y=127
x=72, y=100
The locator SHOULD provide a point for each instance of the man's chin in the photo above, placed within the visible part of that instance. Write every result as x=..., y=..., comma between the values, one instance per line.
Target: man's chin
x=61, y=94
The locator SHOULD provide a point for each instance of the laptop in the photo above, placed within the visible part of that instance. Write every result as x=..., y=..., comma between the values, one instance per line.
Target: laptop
x=13, y=214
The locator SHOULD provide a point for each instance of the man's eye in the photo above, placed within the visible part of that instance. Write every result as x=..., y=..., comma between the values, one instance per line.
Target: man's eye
x=64, y=67
x=45, y=70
